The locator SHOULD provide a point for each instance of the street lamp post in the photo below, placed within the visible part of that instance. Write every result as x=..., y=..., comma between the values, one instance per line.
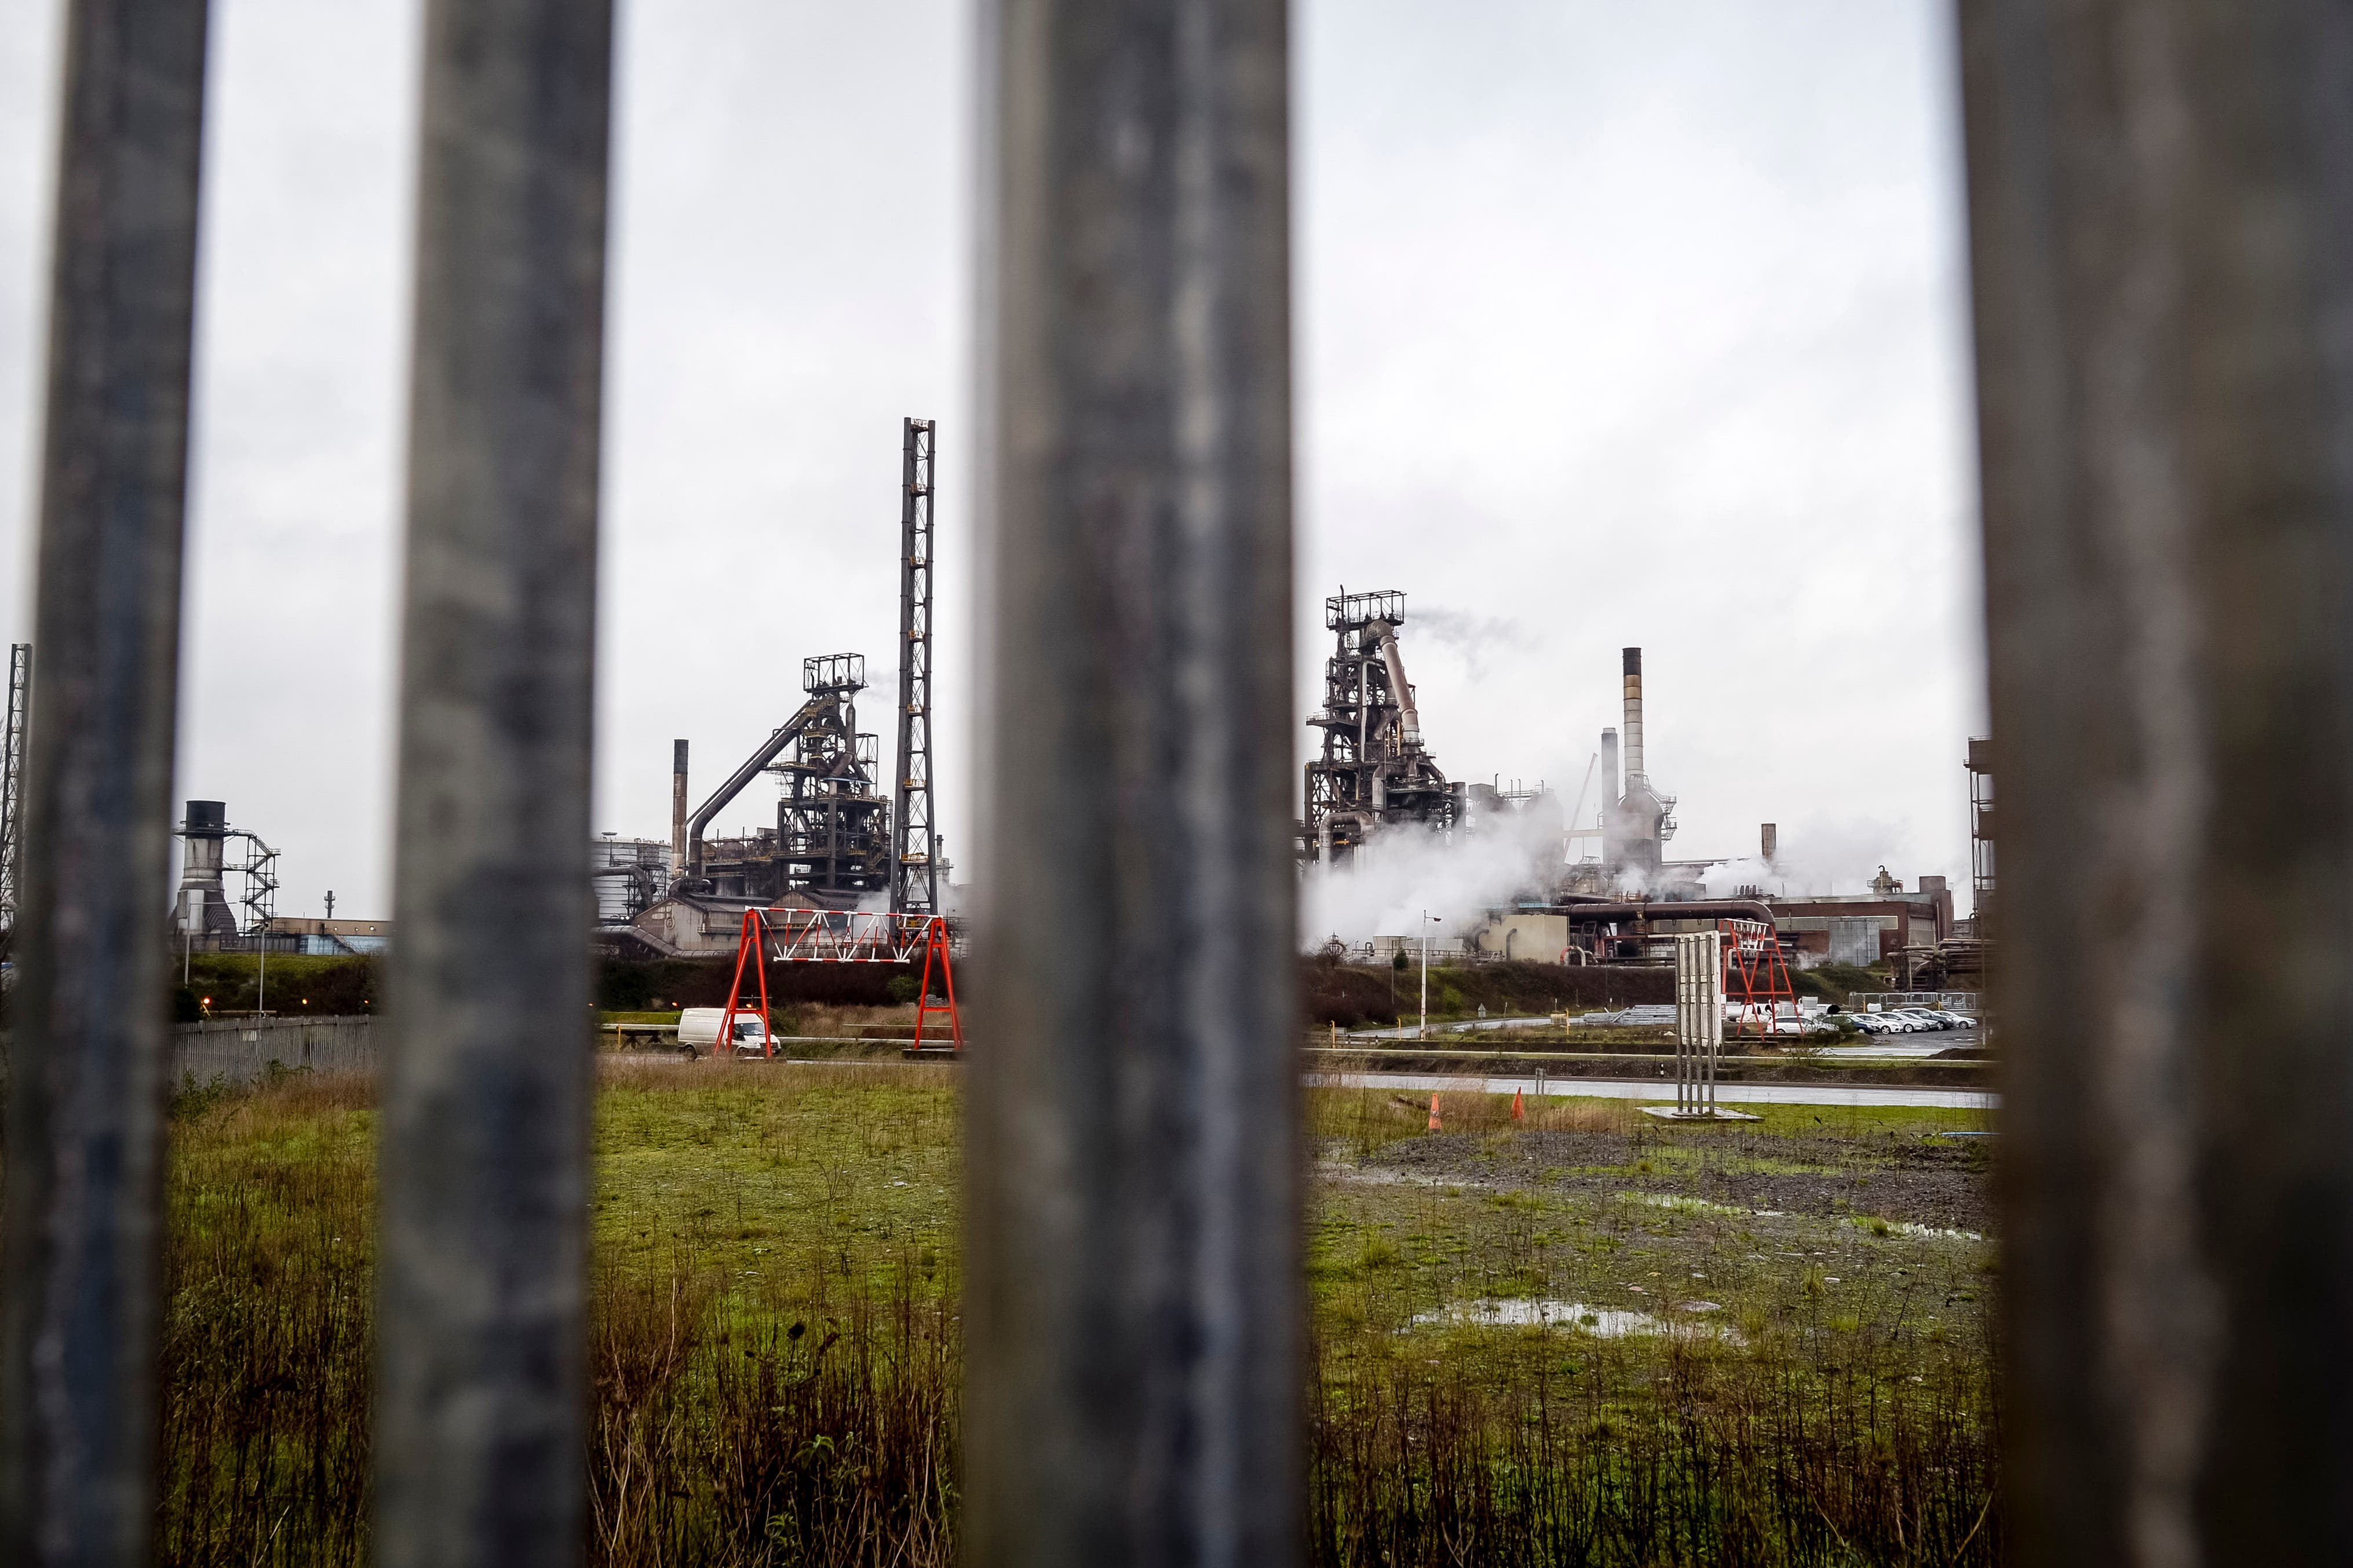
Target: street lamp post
x=1421, y=1031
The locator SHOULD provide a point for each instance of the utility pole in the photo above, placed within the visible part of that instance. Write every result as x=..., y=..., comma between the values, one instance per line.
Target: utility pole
x=1421, y=1030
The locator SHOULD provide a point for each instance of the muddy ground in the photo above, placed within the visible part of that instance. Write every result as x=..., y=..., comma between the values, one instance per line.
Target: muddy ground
x=1939, y=1182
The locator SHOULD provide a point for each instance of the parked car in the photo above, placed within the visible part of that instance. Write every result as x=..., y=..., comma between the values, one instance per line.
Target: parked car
x=1955, y=1020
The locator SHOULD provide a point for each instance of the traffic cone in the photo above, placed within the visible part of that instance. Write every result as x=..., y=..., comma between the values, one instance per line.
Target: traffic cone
x=1433, y=1110
x=1519, y=1111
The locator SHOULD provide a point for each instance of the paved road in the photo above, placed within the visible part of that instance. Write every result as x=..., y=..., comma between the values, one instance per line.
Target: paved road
x=1894, y=1050
x=1664, y=1090
x=1656, y=1088
x=1408, y=1031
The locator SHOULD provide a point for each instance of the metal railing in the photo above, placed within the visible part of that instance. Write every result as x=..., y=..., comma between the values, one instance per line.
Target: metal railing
x=2159, y=210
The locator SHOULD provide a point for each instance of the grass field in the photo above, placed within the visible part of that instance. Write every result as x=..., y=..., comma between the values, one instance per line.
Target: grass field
x=1583, y=1338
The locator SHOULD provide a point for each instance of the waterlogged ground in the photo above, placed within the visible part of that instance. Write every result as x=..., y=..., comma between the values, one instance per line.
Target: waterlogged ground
x=1587, y=1338
x=1865, y=1222
x=1590, y=1336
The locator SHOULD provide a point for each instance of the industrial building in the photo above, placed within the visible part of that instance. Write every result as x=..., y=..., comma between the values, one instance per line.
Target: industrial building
x=1610, y=896
x=202, y=917
x=1375, y=771
x=844, y=839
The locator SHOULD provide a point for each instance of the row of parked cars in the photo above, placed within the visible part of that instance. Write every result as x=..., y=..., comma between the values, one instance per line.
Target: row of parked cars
x=1910, y=1021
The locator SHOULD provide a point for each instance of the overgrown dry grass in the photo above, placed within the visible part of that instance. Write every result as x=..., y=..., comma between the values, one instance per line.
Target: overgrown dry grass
x=776, y=1366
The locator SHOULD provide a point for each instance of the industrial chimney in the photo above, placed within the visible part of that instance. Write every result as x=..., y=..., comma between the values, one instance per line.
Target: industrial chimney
x=677, y=810
x=1769, y=839
x=1637, y=776
x=203, y=909
x=1609, y=794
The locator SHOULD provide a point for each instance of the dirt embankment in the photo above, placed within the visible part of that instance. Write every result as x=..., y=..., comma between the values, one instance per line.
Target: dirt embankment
x=1352, y=995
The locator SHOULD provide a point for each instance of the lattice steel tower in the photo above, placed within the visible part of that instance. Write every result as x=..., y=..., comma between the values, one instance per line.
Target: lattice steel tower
x=11, y=782
x=915, y=873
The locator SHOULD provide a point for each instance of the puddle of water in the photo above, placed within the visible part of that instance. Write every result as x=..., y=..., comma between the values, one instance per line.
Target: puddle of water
x=1906, y=1227
x=1602, y=1323
x=1689, y=1205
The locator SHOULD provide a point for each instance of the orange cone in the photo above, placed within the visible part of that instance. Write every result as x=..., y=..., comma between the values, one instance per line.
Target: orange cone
x=1433, y=1110
x=1519, y=1112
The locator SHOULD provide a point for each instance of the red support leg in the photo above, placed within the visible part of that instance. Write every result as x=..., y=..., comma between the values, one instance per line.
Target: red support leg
x=936, y=943
x=758, y=925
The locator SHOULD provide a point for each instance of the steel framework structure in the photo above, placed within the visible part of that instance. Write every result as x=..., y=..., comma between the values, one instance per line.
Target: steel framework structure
x=843, y=936
x=1374, y=769
x=915, y=860
x=1756, y=977
x=12, y=782
x=832, y=837
x=260, y=873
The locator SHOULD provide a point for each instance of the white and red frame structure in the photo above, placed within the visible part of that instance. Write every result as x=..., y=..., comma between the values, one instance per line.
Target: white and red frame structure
x=835, y=936
x=1755, y=978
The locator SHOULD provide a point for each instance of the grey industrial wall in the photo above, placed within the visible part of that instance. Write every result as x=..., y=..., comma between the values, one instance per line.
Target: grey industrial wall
x=241, y=1051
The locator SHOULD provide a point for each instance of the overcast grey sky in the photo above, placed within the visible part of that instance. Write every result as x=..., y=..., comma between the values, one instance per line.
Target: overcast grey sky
x=1618, y=324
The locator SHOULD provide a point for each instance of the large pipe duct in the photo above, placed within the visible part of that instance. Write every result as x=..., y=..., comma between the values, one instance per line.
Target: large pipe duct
x=1400, y=688
x=1643, y=911
x=770, y=750
x=678, y=809
x=1637, y=776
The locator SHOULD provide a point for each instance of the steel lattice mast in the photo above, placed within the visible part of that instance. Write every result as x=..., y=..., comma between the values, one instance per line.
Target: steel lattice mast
x=11, y=782
x=915, y=869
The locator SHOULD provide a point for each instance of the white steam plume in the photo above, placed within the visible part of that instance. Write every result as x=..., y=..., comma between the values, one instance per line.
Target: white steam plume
x=1818, y=858
x=1405, y=871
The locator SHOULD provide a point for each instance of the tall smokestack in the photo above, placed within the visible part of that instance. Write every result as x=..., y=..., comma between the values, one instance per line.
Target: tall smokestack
x=677, y=809
x=1609, y=796
x=1769, y=838
x=203, y=909
x=1636, y=774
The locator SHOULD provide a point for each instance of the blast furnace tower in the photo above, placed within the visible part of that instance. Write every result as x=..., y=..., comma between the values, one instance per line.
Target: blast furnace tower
x=1374, y=770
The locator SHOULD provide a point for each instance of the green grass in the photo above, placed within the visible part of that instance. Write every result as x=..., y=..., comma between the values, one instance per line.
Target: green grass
x=775, y=1360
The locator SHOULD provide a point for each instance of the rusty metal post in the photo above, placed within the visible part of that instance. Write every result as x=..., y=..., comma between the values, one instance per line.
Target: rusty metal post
x=80, y=1279
x=1133, y=1318
x=482, y=1283
x=2161, y=217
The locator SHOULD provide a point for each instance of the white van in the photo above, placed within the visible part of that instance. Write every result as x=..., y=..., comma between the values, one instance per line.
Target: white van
x=698, y=1031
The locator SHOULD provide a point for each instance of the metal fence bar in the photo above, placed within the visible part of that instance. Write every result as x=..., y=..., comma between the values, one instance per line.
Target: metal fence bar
x=481, y=1278
x=2161, y=214
x=1134, y=1313
x=80, y=1279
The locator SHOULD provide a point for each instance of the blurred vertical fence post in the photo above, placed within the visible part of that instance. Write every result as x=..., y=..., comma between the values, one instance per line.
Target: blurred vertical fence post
x=78, y=1302
x=2161, y=217
x=481, y=1277
x=1134, y=1318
